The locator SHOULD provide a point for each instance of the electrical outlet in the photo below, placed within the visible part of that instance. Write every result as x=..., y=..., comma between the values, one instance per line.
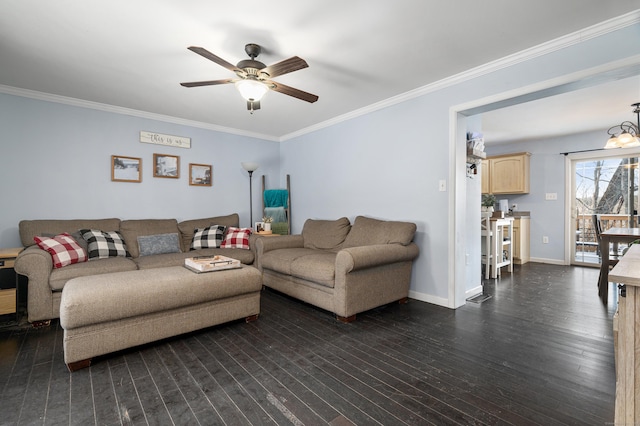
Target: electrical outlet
x=545, y=240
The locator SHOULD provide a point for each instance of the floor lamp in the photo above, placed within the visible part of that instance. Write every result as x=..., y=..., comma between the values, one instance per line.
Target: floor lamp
x=250, y=167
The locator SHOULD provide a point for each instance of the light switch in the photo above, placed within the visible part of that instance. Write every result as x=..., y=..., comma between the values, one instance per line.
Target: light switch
x=442, y=185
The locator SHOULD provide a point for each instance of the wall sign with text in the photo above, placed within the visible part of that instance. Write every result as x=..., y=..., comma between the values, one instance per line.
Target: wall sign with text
x=166, y=140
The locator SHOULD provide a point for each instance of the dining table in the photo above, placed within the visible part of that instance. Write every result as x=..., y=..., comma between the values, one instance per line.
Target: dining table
x=607, y=238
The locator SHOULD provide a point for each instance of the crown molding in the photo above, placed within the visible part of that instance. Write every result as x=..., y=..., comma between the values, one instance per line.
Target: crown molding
x=563, y=42
x=48, y=97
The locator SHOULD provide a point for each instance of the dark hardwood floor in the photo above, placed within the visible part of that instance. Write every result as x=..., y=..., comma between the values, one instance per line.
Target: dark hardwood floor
x=539, y=351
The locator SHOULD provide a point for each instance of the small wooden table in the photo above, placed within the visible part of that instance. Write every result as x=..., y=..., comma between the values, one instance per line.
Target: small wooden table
x=627, y=343
x=615, y=236
x=9, y=292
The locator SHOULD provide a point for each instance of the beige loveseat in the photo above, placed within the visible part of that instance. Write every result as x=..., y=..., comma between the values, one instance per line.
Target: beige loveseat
x=339, y=267
x=46, y=283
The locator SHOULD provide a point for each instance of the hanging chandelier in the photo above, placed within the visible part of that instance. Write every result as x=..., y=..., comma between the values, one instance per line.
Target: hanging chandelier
x=625, y=134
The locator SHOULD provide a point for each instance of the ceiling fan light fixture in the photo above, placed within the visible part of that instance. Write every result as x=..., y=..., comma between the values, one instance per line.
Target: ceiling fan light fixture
x=251, y=90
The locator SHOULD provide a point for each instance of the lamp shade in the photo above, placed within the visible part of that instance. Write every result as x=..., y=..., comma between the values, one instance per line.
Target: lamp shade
x=625, y=139
x=612, y=143
x=250, y=166
x=632, y=143
x=251, y=90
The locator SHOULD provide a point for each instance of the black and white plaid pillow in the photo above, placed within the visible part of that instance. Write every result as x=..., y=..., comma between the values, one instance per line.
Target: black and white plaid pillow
x=104, y=244
x=210, y=237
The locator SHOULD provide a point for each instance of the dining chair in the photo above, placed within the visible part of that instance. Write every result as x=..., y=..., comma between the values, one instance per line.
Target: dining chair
x=614, y=253
x=614, y=257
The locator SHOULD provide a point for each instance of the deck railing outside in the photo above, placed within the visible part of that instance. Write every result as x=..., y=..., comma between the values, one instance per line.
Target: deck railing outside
x=586, y=240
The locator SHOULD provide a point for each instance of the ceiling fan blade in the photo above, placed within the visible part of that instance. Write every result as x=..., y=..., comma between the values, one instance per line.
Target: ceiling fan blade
x=207, y=83
x=218, y=60
x=283, y=67
x=288, y=90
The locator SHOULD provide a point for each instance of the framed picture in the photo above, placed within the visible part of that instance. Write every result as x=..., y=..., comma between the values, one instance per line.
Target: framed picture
x=166, y=166
x=257, y=227
x=126, y=169
x=200, y=174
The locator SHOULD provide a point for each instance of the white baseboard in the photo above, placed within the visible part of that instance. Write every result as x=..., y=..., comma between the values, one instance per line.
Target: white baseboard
x=423, y=297
x=549, y=261
x=473, y=292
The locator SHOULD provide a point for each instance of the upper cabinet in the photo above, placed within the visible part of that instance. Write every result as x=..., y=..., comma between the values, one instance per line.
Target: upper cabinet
x=506, y=174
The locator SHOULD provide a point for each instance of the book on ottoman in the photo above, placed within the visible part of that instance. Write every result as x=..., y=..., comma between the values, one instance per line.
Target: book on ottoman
x=211, y=263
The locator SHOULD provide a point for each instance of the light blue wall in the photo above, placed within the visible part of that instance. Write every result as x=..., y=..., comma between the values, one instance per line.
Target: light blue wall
x=55, y=164
x=387, y=164
x=548, y=176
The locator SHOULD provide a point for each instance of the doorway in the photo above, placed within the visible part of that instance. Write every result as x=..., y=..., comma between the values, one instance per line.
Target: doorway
x=606, y=186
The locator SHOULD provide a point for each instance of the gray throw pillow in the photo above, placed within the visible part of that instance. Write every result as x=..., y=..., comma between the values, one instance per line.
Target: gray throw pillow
x=158, y=244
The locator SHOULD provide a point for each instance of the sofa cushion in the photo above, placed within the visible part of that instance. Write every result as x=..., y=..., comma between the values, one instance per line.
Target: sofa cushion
x=132, y=229
x=31, y=228
x=59, y=277
x=280, y=260
x=366, y=231
x=63, y=248
x=209, y=237
x=325, y=234
x=319, y=267
x=177, y=259
x=104, y=244
x=236, y=238
x=188, y=227
x=159, y=244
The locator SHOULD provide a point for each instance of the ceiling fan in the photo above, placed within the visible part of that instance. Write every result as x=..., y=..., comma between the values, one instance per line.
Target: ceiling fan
x=254, y=77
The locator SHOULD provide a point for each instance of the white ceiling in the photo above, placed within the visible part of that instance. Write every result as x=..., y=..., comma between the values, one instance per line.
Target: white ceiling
x=133, y=54
x=595, y=108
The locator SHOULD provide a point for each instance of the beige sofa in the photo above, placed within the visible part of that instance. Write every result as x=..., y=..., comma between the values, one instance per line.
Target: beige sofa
x=46, y=283
x=339, y=267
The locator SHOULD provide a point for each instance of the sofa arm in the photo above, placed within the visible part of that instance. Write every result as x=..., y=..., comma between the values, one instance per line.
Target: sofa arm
x=265, y=244
x=356, y=258
x=36, y=265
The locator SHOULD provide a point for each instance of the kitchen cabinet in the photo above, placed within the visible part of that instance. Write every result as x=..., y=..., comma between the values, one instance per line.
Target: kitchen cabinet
x=521, y=240
x=506, y=174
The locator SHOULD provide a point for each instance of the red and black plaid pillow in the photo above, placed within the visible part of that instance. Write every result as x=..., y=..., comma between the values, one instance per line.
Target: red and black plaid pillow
x=237, y=238
x=63, y=248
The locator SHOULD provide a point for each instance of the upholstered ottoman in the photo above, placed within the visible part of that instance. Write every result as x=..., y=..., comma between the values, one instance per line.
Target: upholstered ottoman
x=109, y=312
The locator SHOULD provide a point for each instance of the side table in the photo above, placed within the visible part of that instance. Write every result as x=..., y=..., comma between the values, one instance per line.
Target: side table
x=8, y=282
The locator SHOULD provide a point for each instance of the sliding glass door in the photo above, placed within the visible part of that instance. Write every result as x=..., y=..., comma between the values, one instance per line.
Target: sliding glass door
x=606, y=186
